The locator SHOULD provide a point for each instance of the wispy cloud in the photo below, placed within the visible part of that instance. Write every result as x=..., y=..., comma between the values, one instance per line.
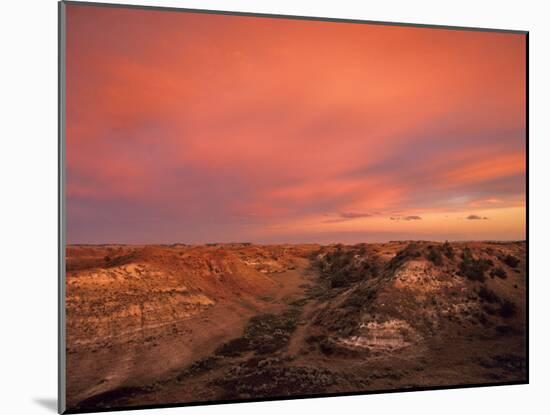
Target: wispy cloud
x=183, y=152
x=346, y=216
x=406, y=218
x=477, y=217
x=355, y=215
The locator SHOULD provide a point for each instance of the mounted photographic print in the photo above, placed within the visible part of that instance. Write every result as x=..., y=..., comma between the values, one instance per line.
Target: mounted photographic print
x=258, y=207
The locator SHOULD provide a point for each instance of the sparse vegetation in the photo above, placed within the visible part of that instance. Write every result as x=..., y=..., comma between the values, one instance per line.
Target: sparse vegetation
x=448, y=250
x=507, y=309
x=347, y=314
x=200, y=366
x=498, y=272
x=360, y=297
x=434, y=255
x=488, y=295
x=265, y=333
x=511, y=261
x=275, y=380
x=507, y=361
x=104, y=400
x=342, y=268
x=345, y=318
x=411, y=251
x=472, y=268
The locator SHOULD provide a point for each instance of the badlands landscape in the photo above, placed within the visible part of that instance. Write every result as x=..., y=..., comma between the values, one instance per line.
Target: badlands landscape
x=179, y=323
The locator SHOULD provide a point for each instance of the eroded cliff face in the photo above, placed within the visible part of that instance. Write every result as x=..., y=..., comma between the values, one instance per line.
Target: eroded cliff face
x=423, y=293
x=138, y=293
x=129, y=303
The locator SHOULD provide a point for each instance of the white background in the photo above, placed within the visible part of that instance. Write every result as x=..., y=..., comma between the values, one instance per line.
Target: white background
x=28, y=204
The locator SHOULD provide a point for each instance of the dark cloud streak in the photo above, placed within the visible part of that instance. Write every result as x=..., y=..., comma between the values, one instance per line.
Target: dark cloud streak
x=477, y=217
x=406, y=218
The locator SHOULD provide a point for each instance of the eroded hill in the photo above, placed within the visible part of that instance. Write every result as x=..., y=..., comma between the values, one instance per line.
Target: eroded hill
x=178, y=323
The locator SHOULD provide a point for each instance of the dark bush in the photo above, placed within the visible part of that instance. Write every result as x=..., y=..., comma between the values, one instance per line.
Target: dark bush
x=448, y=250
x=434, y=255
x=264, y=334
x=200, y=366
x=339, y=279
x=472, y=268
x=234, y=347
x=482, y=318
x=362, y=249
x=274, y=380
x=498, y=272
x=360, y=297
x=326, y=346
x=342, y=269
x=511, y=261
x=374, y=269
x=504, y=329
x=411, y=251
x=116, y=261
x=315, y=339
x=488, y=295
x=507, y=309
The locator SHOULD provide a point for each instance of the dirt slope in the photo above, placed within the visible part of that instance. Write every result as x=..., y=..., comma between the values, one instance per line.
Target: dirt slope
x=135, y=313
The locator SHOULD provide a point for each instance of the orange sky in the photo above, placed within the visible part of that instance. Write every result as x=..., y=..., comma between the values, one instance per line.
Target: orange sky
x=213, y=128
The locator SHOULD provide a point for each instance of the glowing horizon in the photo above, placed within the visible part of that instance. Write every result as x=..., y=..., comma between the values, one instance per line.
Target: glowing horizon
x=194, y=128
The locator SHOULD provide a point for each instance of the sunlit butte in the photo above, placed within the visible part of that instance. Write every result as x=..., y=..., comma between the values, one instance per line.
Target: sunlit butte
x=194, y=128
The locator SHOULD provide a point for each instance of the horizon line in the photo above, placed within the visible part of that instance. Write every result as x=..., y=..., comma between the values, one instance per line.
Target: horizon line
x=297, y=243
